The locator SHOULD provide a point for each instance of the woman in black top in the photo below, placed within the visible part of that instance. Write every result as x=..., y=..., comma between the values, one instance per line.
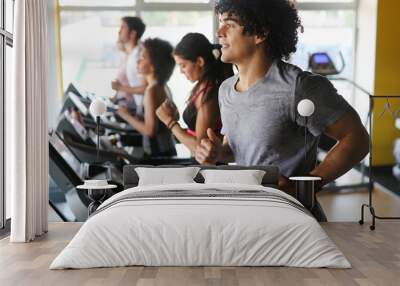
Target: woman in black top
x=199, y=60
x=156, y=64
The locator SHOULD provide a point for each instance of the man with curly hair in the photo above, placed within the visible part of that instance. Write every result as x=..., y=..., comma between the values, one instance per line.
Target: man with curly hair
x=261, y=125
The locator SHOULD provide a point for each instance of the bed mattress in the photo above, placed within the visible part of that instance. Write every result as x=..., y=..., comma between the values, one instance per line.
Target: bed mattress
x=201, y=225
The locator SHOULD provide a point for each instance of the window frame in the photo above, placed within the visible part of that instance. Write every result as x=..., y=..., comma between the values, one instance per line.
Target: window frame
x=6, y=39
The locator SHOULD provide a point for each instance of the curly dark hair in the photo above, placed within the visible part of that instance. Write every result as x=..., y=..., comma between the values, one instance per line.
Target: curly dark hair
x=278, y=20
x=161, y=58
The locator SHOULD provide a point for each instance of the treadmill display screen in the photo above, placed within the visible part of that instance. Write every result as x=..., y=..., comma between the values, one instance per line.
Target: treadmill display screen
x=321, y=59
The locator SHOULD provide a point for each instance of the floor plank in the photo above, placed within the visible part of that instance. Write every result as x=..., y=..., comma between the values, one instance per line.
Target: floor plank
x=375, y=257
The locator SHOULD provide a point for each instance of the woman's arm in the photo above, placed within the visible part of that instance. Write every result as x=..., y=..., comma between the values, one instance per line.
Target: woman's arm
x=207, y=115
x=117, y=86
x=133, y=90
x=186, y=139
x=148, y=127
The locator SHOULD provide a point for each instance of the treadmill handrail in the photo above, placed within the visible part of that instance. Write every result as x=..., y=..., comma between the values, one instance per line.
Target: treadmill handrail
x=129, y=130
x=105, y=153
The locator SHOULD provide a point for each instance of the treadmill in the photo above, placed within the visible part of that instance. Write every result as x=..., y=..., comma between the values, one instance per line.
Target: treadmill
x=82, y=142
x=73, y=98
x=77, y=127
x=80, y=101
x=119, y=142
x=66, y=172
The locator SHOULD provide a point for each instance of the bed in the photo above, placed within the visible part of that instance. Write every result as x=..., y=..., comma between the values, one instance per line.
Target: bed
x=201, y=224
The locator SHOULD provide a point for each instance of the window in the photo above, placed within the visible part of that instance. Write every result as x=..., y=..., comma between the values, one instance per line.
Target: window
x=90, y=56
x=326, y=1
x=6, y=29
x=9, y=13
x=93, y=63
x=176, y=1
x=96, y=3
x=172, y=26
x=327, y=31
x=329, y=26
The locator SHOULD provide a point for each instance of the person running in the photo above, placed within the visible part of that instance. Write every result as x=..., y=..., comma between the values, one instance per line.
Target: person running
x=156, y=64
x=258, y=105
x=199, y=61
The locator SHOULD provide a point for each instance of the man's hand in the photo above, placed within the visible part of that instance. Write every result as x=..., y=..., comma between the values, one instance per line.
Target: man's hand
x=116, y=85
x=209, y=149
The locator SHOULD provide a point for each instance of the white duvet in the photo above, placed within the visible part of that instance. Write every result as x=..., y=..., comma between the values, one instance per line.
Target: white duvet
x=203, y=231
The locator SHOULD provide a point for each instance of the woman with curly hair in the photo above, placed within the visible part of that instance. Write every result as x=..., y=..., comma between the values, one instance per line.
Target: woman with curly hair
x=199, y=61
x=156, y=64
x=258, y=106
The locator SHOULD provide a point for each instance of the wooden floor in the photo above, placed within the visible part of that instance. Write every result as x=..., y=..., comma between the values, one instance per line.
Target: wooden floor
x=345, y=205
x=374, y=255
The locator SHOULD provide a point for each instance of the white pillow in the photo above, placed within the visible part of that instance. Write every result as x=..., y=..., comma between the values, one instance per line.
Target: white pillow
x=163, y=176
x=248, y=177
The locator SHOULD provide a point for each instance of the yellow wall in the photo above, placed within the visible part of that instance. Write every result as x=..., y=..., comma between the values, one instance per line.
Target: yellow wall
x=387, y=80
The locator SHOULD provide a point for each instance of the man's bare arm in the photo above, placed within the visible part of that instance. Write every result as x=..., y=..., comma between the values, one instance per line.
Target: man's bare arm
x=351, y=148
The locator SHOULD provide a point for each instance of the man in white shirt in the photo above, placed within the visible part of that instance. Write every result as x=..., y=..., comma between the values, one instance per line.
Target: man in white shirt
x=122, y=98
x=130, y=32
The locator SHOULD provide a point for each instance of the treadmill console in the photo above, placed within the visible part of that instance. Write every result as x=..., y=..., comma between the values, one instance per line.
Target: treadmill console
x=321, y=63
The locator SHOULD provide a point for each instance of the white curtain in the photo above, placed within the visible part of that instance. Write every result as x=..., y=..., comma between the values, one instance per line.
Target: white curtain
x=26, y=123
